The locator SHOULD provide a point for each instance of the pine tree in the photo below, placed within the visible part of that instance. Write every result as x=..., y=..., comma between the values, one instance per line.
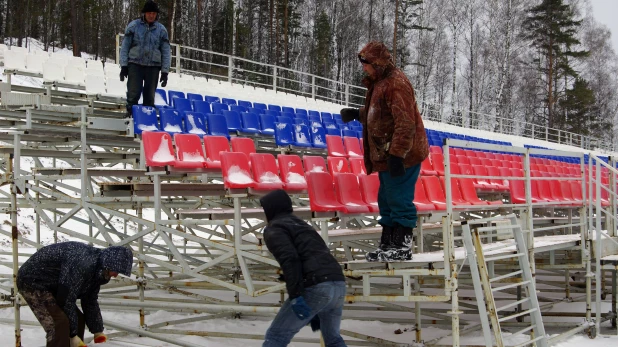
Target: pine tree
x=580, y=114
x=321, y=56
x=552, y=28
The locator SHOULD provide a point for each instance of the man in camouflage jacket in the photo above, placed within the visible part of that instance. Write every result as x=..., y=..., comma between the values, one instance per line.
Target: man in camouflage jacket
x=395, y=144
x=54, y=277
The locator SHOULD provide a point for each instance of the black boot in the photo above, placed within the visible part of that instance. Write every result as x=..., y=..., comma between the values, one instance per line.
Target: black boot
x=402, y=245
x=385, y=244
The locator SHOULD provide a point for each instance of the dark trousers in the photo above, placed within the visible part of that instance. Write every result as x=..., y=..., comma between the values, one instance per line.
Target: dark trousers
x=396, y=198
x=53, y=320
x=142, y=78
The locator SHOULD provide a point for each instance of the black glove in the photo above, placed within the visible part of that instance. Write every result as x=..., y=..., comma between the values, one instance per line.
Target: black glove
x=315, y=323
x=124, y=72
x=163, y=79
x=395, y=166
x=349, y=114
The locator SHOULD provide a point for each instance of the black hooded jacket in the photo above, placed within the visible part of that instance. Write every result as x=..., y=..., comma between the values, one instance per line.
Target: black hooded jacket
x=71, y=271
x=300, y=250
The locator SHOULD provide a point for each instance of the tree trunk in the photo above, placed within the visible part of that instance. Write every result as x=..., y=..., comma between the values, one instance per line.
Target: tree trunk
x=270, y=30
x=74, y=31
x=395, y=32
x=286, y=61
x=172, y=21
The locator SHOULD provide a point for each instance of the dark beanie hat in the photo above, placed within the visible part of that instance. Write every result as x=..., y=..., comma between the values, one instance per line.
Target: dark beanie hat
x=150, y=6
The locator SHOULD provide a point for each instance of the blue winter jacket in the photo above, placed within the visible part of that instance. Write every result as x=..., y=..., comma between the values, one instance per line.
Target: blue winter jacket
x=71, y=271
x=146, y=45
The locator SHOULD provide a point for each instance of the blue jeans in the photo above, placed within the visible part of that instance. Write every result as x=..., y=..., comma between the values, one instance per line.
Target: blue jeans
x=396, y=198
x=326, y=301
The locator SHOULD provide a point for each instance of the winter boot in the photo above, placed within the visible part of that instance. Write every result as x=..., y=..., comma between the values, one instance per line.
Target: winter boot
x=402, y=245
x=385, y=244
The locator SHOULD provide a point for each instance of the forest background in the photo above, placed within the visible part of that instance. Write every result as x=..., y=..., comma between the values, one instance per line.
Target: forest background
x=544, y=62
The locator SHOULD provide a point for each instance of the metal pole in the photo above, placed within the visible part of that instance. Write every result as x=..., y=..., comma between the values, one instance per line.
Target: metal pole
x=274, y=78
x=117, y=48
x=230, y=66
x=15, y=235
x=313, y=87
x=178, y=59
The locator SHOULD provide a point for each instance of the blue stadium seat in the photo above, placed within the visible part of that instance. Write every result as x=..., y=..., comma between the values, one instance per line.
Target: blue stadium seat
x=211, y=99
x=326, y=114
x=302, y=137
x=301, y=115
x=259, y=106
x=201, y=106
x=313, y=112
x=326, y=118
x=274, y=107
x=195, y=123
x=315, y=118
x=301, y=111
x=172, y=94
x=272, y=113
x=217, y=125
x=284, y=134
x=218, y=108
x=333, y=131
x=330, y=125
x=336, y=116
x=193, y=96
x=162, y=95
x=182, y=104
x=250, y=123
x=237, y=108
x=233, y=121
x=255, y=110
x=282, y=119
x=267, y=124
x=347, y=132
x=144, y=119
x=171, y=121
x=245, y=103
x=315, y=123
x=318, y=137
x=228, y=101
x=287, y=109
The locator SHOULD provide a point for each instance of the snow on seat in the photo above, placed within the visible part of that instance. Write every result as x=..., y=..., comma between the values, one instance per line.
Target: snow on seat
x=335, y=147
x=302, y=138
x=215, y=145
x=349, y=193
x=158, y=149
x=314, y=163
x=265, y=172
x=74, y=75
x=337, y=165
x=352, y=147
x=284, y=134
x=189, y=151
x=35, y=63
x=322, y=193
x=115, y=88
x=318, y=137
x=292, y=173
x=14, y=60
x=195, y=123
x=236, y=171
x=95, y=85
x=171, y=121
x=144, y=119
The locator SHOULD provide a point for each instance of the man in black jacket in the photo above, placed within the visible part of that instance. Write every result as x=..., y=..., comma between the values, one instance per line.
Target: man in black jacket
x=54, y=277
x=314, y=280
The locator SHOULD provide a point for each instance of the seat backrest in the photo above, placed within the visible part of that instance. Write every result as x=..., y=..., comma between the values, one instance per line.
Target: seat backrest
x=75, y=75
x=313, y=112
x=95, y=85
x=158, y=149
x=217, y=125
x=287, y=109
x=228, y=101
x=232, y=118
x=201, y=106
x=171, y=121
x=161, y=97
x=259, y=105
x=437, y=162
x=195, y=97
x=214, y=146
x=212, y=99
x=335, y=146
x=321, y=191
x=352, y=146
x=218, y=107
x=114, y=87
x=369, y=186
x=245, y=103
x=237, y=108
x=236, y=171
x=291, y=169
x=267, y=123
x=189, y=148
x=456, y=195
x=52, y=72
x=318, y=137
x=357, y=166
x=301, y=135
x=35, y=62
x=250, y=121
x=301, y=121
x=265, y=170
x=301, y=111
x=433, y=188
x=144, y=119
x=14, y=59
x=283, y=119
x=314, y=163
x=274, y=107
x=284, y=134
x=244, y=145
x=173, y=94
x=195, y=123
x=337, y=165
x=348, y=191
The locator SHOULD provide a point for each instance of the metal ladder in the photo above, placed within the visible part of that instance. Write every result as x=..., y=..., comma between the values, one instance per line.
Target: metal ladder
x=484, y=287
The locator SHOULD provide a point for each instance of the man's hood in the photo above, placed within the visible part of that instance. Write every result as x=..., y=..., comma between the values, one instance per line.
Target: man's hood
x=276, y=203
x=377, y=54
x=118, y=259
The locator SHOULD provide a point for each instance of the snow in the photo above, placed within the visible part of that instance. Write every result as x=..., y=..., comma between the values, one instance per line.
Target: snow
x=270, y=177
x=170, y=128
x=317, y=169
x=163, y=154
x=337, y=154
x=193, y=157
x=353, y=154
x=300, y=136
x=317, y=139
x=159, y=101
x=293, y=177
x=281, y=126
x=339, y=165
x=238, y=176
x=144, y=127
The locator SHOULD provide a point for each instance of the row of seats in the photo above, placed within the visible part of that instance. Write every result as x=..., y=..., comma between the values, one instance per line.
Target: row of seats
x=436, y=138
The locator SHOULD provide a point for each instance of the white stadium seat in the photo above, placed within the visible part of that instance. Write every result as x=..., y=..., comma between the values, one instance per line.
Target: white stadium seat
x=74, y=75
x=53, y=72
x=95, y=84
x=35, y=62
x=115, y=88
x=14, y=60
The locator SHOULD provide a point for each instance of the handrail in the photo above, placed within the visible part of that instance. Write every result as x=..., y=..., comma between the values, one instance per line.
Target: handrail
x=243, y=71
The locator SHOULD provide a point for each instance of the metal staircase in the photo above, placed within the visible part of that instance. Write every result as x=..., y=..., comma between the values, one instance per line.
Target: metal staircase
x=480, y=255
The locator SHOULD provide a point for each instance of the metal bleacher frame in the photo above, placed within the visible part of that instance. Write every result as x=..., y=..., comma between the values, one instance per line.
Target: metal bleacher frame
x=191, y=235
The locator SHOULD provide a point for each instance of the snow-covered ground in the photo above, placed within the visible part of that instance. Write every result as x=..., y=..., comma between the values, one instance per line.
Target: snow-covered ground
x=33, y=336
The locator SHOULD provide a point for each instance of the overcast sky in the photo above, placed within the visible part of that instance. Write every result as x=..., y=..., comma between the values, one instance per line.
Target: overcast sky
x=606, y=12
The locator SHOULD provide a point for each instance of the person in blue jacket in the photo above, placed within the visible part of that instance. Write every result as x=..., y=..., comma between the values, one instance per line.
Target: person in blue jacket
x=54, y=277
x=145, y=51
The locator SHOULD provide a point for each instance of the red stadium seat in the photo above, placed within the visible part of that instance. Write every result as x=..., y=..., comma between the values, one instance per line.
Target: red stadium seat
x=468, y=192
x=314, y=163
x=357, y=166
x=434, y=191
x=189, y=151
x=435, y=149
x=337, y=165
x=369, y=185
x=349, y=193
x=265, y=172
x=437, y=160
x=214, y=146
x=427, y=168
x=321, y=191
x=352, y=147
x=243, y=144
x=236, y=171
x=292, y=173
x=334, y=146
x=158, y=149
x=456, y=196
x=421, y=201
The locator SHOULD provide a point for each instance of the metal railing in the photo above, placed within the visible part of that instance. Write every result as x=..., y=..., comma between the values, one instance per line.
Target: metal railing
x=236, y=70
